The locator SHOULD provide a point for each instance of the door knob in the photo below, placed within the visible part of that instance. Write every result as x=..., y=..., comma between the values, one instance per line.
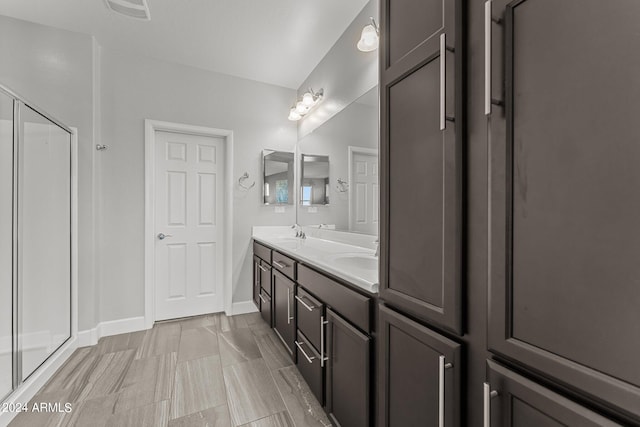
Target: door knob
x=162, y=236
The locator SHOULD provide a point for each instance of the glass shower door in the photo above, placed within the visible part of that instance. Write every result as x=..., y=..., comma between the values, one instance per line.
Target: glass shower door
x=6, y=245
x=44, y=239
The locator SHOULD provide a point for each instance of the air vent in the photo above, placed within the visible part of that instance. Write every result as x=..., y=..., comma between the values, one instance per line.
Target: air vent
x=138, y=9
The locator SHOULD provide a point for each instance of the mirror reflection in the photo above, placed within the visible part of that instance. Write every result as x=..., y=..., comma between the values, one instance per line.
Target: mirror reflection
x=350, y=181
x=277, y=177
x=314, y=188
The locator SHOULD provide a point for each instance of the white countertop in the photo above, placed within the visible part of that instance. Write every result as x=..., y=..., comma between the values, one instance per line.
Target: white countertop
x=352, y=263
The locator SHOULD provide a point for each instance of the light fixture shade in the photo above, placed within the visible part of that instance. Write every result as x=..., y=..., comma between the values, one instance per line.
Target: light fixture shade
x=294, y=115
x=307, y=99
x=301, y=108
x=368, y=39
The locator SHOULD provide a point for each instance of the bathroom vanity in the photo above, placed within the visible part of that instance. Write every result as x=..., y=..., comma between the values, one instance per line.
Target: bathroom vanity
x=319, y=296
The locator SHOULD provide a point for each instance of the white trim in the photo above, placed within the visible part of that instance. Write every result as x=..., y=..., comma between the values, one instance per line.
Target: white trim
x=150, y=129
x=353, y=150
x=243, y=307
x=112, y=327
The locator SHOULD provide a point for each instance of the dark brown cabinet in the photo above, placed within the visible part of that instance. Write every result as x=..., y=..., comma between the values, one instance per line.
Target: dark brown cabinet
x=311, y=366
x=284, y=322
x=514, y=401
x=421, y=161
x=418, y=374
x=265, y=306
x=564, y=243
x=348, y=373
x=256, y=281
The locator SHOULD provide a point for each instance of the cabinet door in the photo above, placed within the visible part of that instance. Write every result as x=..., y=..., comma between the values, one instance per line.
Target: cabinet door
x=418, y=374
x=564, y=236
x=520, y=402
x=256, y=281
x=348, y=381
x=421, y=131
x=283, y=310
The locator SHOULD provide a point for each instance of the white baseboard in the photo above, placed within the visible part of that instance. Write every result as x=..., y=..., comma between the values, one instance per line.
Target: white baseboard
x=38, y=379
x=243, y=308
x=112, y=327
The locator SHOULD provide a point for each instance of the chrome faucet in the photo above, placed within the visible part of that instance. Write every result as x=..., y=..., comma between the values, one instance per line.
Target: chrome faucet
x=377, y=243
x=299, y=232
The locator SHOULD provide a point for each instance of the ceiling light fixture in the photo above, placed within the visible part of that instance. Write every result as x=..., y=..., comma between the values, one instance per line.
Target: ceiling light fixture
x=138, y=9
x=370, y=37
x=302, y=107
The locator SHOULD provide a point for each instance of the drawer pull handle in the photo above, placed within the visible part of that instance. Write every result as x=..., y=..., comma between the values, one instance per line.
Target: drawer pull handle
x=262, y=268
x=307, y=306
x=279, y=265
x=441, y=368
x=309, y=359
x=262, y=299
x=488, y=395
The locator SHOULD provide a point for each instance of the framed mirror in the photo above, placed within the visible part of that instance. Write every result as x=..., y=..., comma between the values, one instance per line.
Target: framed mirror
x=314, y=185
x=278, y=179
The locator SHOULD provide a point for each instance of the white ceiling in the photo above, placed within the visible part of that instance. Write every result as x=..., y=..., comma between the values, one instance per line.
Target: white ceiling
x=272, y=41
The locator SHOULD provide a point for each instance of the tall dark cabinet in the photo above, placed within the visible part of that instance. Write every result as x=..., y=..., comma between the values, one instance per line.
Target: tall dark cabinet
x=509, y=239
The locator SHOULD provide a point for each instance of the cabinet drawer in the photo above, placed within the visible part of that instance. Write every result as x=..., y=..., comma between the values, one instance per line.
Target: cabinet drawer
x=309, y=366
x=265, y=276
x=265, y=306
x=310, y=312
x=262, y=251
x=351, y=305
x=284, y=265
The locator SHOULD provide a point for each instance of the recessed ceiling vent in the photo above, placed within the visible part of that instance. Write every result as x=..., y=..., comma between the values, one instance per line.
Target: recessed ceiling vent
x=138, y=9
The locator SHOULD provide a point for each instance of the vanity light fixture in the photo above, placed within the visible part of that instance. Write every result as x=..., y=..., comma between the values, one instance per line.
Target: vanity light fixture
x=370, y=37
x=309, y=100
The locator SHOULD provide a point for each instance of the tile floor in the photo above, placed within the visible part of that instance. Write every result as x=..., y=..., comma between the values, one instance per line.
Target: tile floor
x=209, y=370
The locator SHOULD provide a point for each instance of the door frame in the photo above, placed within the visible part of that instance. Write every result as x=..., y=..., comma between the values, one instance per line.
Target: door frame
x=352, y=149
x=150, y=129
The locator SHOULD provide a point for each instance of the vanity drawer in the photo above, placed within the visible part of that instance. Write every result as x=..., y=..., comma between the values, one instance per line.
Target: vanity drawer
x=309, y=366
x=350, y=304
x=262, y=251
x=310, y=312
x=265, y=276
x=265, y=307
x=284, y=264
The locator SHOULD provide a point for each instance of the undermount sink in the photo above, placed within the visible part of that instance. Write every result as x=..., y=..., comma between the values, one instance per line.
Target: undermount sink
x=361, y=261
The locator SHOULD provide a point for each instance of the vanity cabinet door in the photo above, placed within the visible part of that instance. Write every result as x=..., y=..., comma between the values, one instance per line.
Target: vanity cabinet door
x=256, y=281
x=520, y=402
x=418, y=374
x=348, y=373
x=564, y=238
x=284, y=310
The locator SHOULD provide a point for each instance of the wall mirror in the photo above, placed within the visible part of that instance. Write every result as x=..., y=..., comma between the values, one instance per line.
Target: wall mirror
x=314, y=186
x=278, y=179
x=351, y=181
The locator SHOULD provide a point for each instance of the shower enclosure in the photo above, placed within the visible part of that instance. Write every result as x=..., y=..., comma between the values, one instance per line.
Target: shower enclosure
x=35, y=238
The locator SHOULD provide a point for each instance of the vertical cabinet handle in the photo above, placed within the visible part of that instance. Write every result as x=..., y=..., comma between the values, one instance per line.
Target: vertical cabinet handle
x=289, y=317
x=322, y=357
x=443, y=80
x=487, y=57
x=442, y=366
x=488, y=395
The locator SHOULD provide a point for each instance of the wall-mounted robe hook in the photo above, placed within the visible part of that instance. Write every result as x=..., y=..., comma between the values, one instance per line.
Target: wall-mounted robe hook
x=242, y=179
x=101, y=147
x=343, y=186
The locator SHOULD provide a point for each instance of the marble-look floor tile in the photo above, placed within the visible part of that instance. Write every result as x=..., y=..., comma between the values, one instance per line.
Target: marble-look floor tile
x=198, y=322
x=238, y=346
x=39, y=419
x=108, y=374
x=196, y=343
x=154, y=415
x=73, y=374
x=304, y=408
x=281, y=419
x=212, y=417
x=254, y=320
x=272, y=350
x=223, y=323
x=115, y=343
x=251, y=392
x=198, y=385
x=148, y=381
x=162, y=338
x=92, y=412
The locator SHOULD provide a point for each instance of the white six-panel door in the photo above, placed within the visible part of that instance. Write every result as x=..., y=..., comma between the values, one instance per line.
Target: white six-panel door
x=189, y=225
x=364, y=190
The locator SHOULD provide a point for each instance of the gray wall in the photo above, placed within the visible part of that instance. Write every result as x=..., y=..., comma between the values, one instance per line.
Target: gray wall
x=135, y=88
x=54, y=69
x=344, y=73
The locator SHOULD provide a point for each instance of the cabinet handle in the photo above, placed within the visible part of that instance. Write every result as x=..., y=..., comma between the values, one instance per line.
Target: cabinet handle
x=299, y=345
x=289, y=318
x=308, y=307
x=262, y=268
x=487, y=57
x=441, y=368
x=322, y=358
x=443, y=80
x=262, y=299
x=279, y=265
x=488, y=395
